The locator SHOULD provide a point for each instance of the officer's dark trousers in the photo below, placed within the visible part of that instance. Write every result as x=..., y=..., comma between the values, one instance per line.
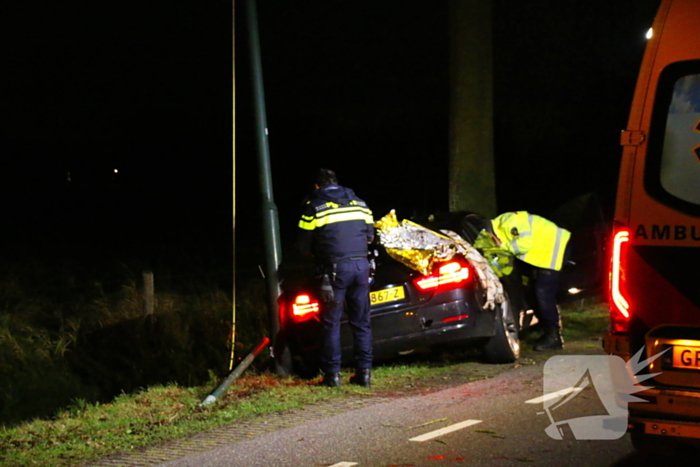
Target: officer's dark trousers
x=351, y=285
x=546, y=287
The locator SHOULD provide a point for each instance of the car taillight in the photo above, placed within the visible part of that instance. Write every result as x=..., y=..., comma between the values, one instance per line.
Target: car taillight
x=304, y=307
x=449, y=275
x=620, y=307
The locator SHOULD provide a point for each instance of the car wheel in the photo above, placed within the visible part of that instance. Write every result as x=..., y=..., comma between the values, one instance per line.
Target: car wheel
x=282, y=356
x=513, y=287
x=283, y=362
x=305, y=366
x=292, y=360
x=504, y=345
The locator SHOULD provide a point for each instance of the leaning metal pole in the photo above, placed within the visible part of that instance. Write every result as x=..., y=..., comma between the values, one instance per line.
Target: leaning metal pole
x=233, y=376
x=271, y=231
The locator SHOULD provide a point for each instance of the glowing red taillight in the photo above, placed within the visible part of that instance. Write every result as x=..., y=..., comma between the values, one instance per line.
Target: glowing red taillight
x=304, y=306
x=620, y=308
x=451, y=275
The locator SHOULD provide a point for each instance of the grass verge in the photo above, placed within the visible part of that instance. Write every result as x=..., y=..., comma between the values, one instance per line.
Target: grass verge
x=88, y=432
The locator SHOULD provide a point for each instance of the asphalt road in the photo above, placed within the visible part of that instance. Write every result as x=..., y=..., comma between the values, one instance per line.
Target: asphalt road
x=494, y=422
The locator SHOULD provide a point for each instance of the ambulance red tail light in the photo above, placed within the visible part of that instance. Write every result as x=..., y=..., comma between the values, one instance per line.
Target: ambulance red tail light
x=447, y=276
x=619, y=305
x=305, y=307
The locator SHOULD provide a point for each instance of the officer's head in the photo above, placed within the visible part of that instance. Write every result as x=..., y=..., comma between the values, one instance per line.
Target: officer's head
x=325, y=177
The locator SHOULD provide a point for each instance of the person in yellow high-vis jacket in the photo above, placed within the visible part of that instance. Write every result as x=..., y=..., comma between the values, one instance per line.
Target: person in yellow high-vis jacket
x=544, y=245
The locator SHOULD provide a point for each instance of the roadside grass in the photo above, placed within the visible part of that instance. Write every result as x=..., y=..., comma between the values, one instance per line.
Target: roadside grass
x=55, y=349
x=584, y=323
x=87, y=431
x=90, y=431
x=586, y=319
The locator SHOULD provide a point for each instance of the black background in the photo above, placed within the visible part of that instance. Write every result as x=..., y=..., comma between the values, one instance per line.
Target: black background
x=360, y=87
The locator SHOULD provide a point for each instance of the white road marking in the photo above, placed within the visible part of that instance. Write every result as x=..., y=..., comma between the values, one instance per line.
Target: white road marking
x=553, y=395
x=344, y=464
x=447, y=429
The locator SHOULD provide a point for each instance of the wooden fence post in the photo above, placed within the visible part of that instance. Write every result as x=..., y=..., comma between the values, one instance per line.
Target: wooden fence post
x=148, y=292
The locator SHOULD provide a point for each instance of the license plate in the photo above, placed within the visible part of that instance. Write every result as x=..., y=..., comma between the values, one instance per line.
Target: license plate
x=386, y=295
x=686, y=357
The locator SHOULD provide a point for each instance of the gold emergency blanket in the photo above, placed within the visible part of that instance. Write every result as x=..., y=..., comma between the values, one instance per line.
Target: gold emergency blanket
x=420, y=248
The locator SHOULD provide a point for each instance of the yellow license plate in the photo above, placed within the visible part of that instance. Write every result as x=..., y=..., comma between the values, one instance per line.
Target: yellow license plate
x=386, y=295
x=686, y=357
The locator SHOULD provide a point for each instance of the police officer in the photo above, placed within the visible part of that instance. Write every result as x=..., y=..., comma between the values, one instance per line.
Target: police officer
x=336, y=227
x=544, y=245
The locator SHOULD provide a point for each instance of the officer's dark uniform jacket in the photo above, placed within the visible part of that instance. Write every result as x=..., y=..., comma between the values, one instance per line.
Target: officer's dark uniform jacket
x=335, y=225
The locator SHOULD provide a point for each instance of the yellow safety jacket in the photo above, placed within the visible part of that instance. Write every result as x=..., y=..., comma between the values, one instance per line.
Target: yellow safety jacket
x=532, y=238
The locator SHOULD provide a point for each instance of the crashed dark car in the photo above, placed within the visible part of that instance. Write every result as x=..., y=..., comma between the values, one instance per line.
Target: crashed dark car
x=409, y=310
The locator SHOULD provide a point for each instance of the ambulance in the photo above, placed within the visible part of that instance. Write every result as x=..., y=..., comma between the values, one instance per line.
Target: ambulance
x=655, y=251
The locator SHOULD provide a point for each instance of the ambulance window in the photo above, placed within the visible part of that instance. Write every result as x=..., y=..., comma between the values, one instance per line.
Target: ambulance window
x=672, y=173
x=680, y=157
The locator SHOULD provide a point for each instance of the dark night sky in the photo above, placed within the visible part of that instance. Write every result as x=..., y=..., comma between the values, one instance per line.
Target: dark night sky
x=364, y=90
x=145, y=87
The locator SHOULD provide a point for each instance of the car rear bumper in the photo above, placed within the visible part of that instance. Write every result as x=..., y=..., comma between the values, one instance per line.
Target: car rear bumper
x=475, y=326
x=402, y=329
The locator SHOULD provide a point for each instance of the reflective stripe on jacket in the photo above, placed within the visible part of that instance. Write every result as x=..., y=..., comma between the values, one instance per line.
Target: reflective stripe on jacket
x=532, y=238
x=335, y=224
x=330, y=213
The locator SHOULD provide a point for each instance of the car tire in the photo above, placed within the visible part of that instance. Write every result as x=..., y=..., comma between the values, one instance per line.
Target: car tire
x=504, y=345
x=513, y=286
x=306, y=366
x=282, y=356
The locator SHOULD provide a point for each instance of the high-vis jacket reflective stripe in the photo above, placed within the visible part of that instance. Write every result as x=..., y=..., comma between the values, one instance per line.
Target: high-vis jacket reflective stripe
x=532, y=238
x=335, y=214
x=522, y=235
x=335, y=224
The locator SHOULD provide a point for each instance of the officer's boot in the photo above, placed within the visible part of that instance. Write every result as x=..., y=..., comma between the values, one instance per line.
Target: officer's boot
x=331, y=380
x=550, y=340
x=362, y=377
